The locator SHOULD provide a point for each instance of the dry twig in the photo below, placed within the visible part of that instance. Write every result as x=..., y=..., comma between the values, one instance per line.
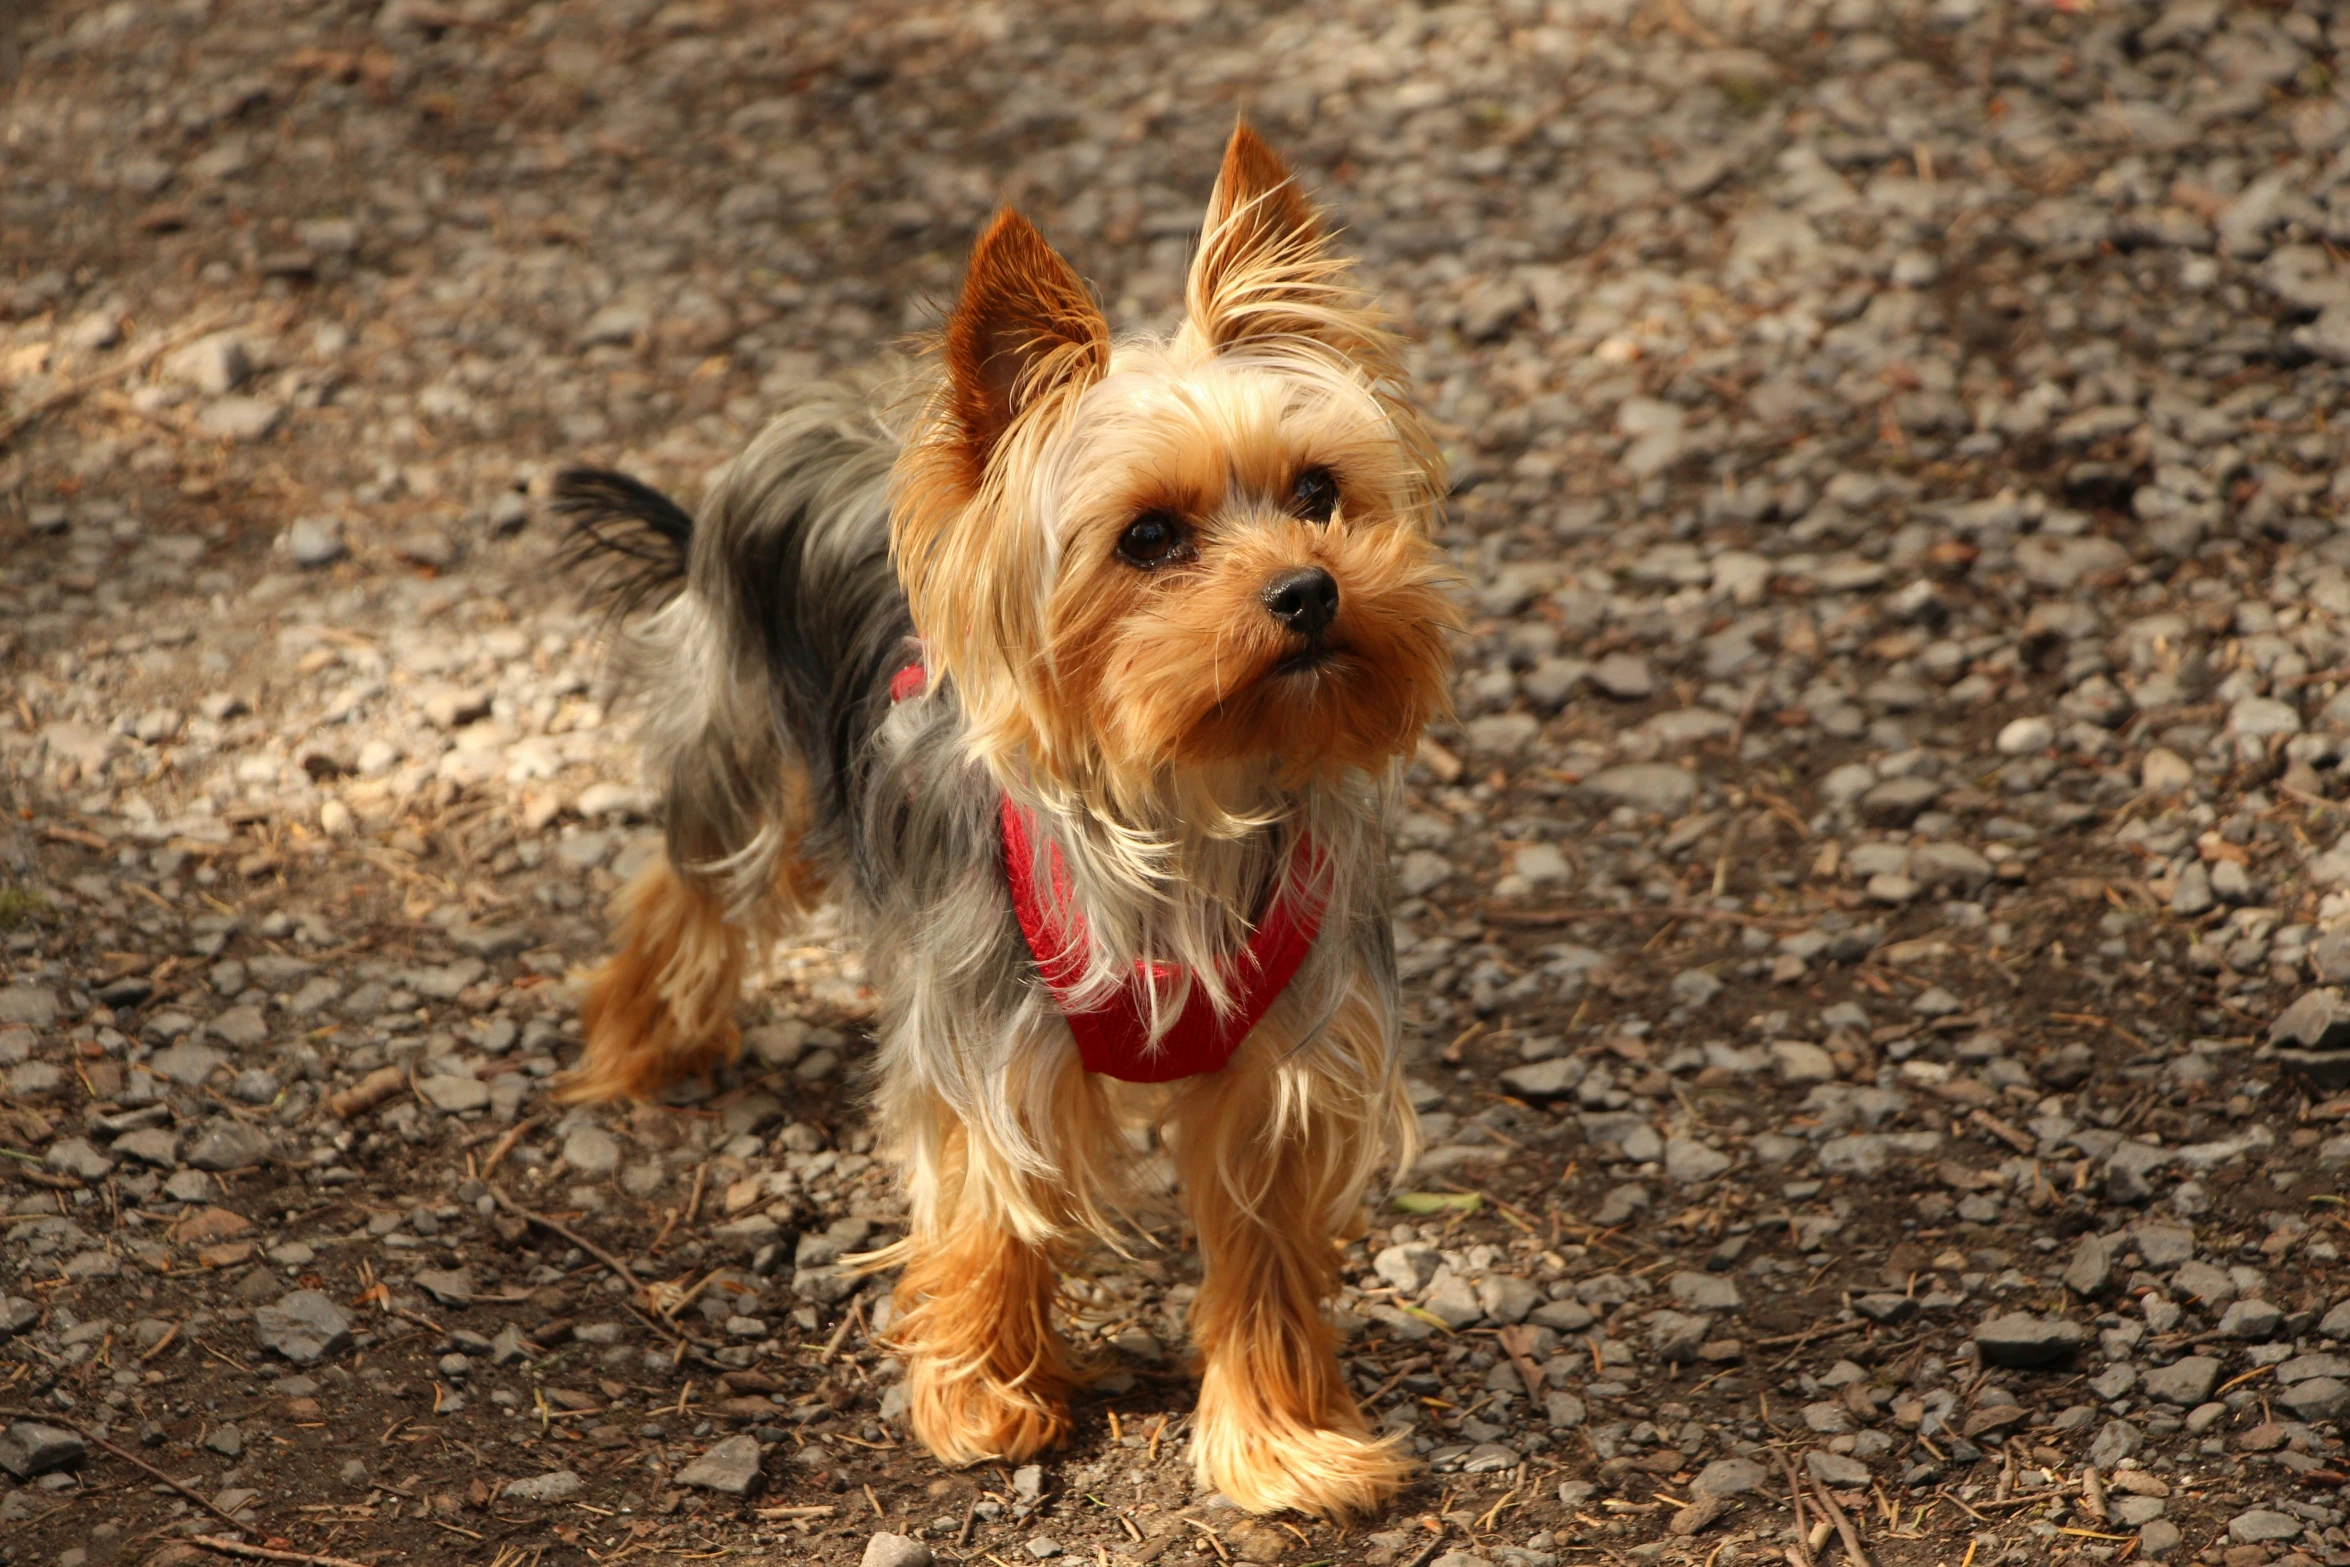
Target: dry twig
x=265, y=1554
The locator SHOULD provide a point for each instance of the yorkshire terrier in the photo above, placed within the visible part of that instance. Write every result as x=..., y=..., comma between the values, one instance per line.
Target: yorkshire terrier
x=1085, y=683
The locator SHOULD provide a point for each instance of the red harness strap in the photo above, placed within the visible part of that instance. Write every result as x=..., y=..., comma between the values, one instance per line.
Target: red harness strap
x=1114, y=1039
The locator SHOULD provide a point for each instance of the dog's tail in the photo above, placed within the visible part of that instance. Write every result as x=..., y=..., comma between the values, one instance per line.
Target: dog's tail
x=631, y=538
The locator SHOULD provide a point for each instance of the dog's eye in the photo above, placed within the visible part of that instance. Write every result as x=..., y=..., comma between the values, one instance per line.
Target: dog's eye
x=1315, y=495
x=1152, y=539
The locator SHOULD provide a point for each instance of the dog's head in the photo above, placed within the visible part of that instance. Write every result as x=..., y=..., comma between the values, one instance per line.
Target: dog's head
x=1172, y=554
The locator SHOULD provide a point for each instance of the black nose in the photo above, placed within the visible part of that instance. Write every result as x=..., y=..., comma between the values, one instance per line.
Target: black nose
x=1304, y=600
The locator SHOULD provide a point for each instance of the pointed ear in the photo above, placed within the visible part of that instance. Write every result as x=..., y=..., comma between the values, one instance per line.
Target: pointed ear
x=1261, y=269
x=1024, y=329
x=1256, y=189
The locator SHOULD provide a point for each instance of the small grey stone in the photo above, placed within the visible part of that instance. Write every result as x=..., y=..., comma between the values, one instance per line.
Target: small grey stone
x=1506, y=1297
x=1043, y=1548
x=30, y=1448
x=228, y=1145
x=2320, y=1398
x=2320, y=1020
x=1887, y=1307
x=826, y=1286
x=2306, y=1368
x=454, y=1095
x=2184, y=1383
x=2162, y=1245
x=426, y=546
x=2115, y=1441
x=591, y=1151
x=1693, y=988
x=1897, y=802
x=239, y=418
x=1835, y=1469
x=1546, y=1079
x=303, y=1326
x=2262, y=1525
x=1501, y=734
x=1408, y=1267
x=2199, y=1281
x=1694, y=1291
x=100, y=329
x=1564, y=1316
x=2159, y=1538
x=1563, y=1410
x=2136, y=1511
x=1800, y=1061
x=186, y=1064
x=2025, y=737
x=2115, y=1381
x=2020, y=1339
x=241, y=1027
x=1451, y=1301
x=730, y=1468
x=453, y=707
x=1949, y=866
x=1655, y=787
x=315, y=541
x=895, y=1550
x=212, y=366
x=1689, y=1160
x=74, y=1156
x=32, y=1079
x=1624, y=676
x=510, y=1348
x=1619, y=1204
x=1729, y=1477
x=2251, y=1319
x=316, y=995
x=155, y=1145
x=2090, y=1273
x=616, y=323
x=226, y=1440
x=1677, y=1336
x=33, y=1006
x=1934, y=1001
x=254, y=1086
x=2130, y=1168
x=553, y=1487
x=451, y=1287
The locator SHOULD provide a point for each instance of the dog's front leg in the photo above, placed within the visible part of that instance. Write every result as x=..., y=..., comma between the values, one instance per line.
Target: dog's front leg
x=1272, y=1189
x=987, y=1376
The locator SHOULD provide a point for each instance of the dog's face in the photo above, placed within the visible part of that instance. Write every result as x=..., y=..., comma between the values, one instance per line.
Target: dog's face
x=1175, y=555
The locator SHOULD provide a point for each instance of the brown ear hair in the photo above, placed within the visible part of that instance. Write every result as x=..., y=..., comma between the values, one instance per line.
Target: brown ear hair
x=1023, y=328
x=1262, y=269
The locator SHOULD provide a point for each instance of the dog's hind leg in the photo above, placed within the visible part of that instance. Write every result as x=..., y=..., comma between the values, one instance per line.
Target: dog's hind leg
x=660, y=1009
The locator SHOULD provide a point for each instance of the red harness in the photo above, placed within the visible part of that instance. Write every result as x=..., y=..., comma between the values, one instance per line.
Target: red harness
x=1114, y=1039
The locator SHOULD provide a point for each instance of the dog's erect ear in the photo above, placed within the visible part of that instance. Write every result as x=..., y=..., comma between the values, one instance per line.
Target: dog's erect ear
x=1024, y=329
x=1261, y=268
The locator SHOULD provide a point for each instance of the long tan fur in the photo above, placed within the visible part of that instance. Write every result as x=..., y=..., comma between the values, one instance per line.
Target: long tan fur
x=1273, y=1162
x=659, y=1010
x=1173, y=743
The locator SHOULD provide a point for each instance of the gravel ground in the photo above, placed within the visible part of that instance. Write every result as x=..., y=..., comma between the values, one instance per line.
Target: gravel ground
x=1869, y=925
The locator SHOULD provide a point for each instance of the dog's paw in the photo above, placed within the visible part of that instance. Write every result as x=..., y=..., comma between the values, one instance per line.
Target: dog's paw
x=1269, y=1458
x=967, y=1417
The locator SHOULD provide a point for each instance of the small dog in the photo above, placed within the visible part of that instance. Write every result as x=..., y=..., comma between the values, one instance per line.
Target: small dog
x=1086, y=687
